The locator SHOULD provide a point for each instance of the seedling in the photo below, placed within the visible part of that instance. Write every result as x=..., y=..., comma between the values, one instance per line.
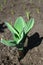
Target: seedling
x=28, y=14
x=19, y=30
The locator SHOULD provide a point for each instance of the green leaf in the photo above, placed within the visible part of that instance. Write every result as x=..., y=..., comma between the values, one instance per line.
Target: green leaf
x=21, y=37
x=8, y=43
x=20, y=49
x=19, y=24
x=13, y=31
x=16, y=39
x=30, y=24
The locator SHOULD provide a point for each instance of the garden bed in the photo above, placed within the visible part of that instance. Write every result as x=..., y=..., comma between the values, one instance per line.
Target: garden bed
x=33, y=52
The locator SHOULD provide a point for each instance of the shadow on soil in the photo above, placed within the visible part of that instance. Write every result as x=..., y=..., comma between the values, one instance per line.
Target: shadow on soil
x=2, y=27
x=33, y=41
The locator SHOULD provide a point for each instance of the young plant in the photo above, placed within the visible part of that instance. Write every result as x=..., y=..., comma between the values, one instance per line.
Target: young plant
x=19, y=30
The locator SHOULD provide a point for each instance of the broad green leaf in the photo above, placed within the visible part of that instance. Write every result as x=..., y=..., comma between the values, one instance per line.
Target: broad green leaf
x=8, y=43
x=25, y=29
x=30, y=24
x=16, y=39
x=21, y=37
x=13, y=31
x=19, y=24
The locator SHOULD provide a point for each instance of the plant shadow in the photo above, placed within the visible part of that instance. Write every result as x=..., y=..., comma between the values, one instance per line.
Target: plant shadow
x=33, y=41
x=2, y=27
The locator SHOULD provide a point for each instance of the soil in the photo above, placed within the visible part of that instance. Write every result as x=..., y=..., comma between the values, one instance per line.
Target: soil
x=33, y=51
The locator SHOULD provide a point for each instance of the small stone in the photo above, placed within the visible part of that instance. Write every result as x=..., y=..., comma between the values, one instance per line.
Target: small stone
x=42, y=58
x=36, y=49
x=2, y=64
x=40, y=62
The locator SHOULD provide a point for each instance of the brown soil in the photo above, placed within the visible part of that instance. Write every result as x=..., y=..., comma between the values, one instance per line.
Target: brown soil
x=33, y=52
